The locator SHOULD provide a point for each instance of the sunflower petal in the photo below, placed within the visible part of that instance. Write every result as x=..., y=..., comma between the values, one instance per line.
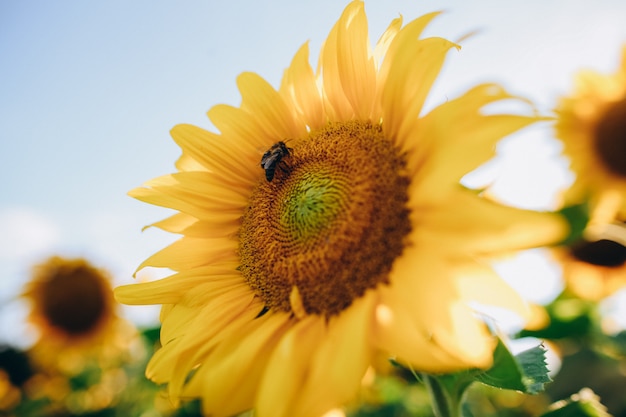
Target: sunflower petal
x=411, y=75
x=188, y=252
x=395, y=39
x=269, y=109
x=183, y=348
x=288, y=368
x=406, y=317
x=230, y=311
x=475, y=225
x=228, y=380
x=381, y=49
x=171, y=289
x=300, y=88
x=479, y=283
x=455, y=138
x=337, y=105
x=195, y=193
x=355, y=62
x=239, y=127
x=176, y=223
x=337, y=367
x=208, y=149
x=418, y=317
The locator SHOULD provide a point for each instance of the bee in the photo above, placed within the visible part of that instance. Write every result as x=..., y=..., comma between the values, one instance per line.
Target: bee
x=273, y=158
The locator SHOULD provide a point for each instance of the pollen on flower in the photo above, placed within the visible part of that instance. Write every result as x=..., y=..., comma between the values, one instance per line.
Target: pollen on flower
x=331, y=225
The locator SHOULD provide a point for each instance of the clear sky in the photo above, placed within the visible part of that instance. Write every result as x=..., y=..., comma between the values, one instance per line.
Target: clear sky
x=90, y=89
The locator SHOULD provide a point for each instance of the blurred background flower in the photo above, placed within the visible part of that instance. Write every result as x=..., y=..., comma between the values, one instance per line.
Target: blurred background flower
x=75, y=316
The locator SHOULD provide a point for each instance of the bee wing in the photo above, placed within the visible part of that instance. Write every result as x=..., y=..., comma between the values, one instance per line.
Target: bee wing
x=268, y=159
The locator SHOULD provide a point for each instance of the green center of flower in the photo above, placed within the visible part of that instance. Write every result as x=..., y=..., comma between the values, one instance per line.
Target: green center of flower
x=611, y=138
x=313, y=203
x=330, y=224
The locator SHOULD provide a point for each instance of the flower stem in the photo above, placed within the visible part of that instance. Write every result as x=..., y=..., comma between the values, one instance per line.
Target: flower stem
x=444, y=402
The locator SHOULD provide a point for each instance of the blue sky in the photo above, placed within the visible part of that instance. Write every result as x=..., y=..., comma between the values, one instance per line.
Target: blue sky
x=90, y=89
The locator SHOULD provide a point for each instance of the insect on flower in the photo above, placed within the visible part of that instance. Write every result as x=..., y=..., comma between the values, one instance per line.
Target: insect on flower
x=273, y=158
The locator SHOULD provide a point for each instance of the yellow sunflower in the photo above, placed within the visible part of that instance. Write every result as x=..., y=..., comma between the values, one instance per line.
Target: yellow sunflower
x=352, y=238
x=596, y=268
x=591, y=124
x=75, y=314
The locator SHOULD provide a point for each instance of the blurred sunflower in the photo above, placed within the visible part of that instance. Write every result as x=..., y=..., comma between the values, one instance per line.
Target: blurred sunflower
x=352, y=239
x=75, y=315
x=596, y=268
x=592, y=124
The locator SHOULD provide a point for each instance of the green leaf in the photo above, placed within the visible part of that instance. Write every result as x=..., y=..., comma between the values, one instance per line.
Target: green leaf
x=570, y=317
x=577, y=216
x=583, y=404
x=525, y=372
x=533, y=363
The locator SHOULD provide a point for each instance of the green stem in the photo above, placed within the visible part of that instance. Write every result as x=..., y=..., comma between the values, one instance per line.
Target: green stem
x=444, y=402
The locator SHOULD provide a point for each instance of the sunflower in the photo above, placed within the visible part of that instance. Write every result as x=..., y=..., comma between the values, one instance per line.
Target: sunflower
x=353, y=238
x=591, y=124
x=75, y=314
x=595, y=268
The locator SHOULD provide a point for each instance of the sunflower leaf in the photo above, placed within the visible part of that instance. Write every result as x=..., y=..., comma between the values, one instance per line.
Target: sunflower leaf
x=525, y=372
x=570, y=317
x=577, y=216
x=583, y=404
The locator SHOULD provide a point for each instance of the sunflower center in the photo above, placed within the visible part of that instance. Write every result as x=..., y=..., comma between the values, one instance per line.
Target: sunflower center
x=610, y=140
x=73, y=299
x=330, y=224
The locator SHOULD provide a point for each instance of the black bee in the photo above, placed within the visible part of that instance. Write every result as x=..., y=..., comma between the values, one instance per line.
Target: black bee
x=274, y=158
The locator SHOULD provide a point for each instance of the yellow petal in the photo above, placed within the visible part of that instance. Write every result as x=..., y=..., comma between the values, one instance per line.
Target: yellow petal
x=471, y=224
x=382, y=46
x=161, y=365
x=268, y=108
x=337, y=367
x=183, y=347
x=479, y=283
x=414, y=307
x=393, y=43
x=455, y=138
x=179, y=321
x=336, y=103
x=176, y=223
x=467, y=338
x=198, y=194
x=415, y=67
x=240, y=127
x=171, y=289
x=224, y=225
x=355, y=62
x=188, y=252
x=229, y=379
x=186, y=162
x=208, y=149
x=230, y=311
x=300, y=88
x=288, y=368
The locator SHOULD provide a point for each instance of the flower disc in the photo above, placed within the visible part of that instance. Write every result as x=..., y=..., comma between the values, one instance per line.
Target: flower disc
x=71, y=296
x=74, y=302
x=329, y=226
x=610, y=140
